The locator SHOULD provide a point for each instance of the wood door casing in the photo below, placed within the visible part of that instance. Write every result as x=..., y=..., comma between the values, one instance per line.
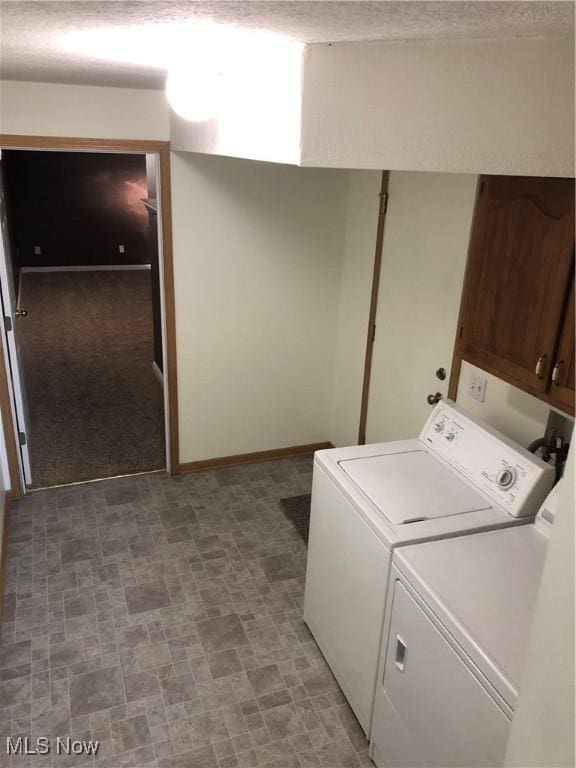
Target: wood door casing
x=562, y=389
x=520, y=260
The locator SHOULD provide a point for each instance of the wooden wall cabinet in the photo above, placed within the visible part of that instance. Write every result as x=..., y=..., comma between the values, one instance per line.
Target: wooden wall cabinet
x=562, y=389
x=517, y=313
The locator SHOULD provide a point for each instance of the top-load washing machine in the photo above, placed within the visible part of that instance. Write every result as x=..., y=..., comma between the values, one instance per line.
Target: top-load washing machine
x=459, y=477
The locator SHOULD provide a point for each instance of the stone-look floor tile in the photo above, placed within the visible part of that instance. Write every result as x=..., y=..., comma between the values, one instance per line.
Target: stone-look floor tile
x=338, y=754
x=15, y=691
x=265, y=679
x=275, y=699
x=224, y=663
x=352, y=727
x=147, y=597
x=141, y=685
x=280, y=567
x=15, y=653
x=51, y=722
x=309, y=759
x=78, y=606
x=117, y=496
x=74, y=550
x=282, y=721
x=318, y=680
x=198, y=758
x=185, y=587
x=178, y=517
x=207, y=728
x=130, y=734
x=176, y=690
x=93, y=691
x=222, y=633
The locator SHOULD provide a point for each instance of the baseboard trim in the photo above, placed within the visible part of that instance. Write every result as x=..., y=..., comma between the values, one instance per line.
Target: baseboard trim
x=87, y=268
x=157, y=372
x=4, y=551
x=249, y=458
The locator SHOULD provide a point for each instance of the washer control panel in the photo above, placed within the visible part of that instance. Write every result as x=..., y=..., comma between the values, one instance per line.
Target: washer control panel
x=511, y=476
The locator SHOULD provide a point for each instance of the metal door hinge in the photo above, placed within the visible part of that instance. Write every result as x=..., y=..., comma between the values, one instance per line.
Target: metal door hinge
x=22, y=438
x=373, y=332
x=7, y=323
x=385, y=201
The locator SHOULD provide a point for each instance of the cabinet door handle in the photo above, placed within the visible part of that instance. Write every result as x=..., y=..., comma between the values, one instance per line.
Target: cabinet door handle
x=540, y=366
x=556, y=373
x=400, y=656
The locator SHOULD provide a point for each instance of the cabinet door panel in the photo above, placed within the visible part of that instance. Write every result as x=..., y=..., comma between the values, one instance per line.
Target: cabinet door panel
x=520, y=260
x=562, y=391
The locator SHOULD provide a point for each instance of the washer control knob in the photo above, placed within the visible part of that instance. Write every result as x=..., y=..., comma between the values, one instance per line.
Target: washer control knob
x=506, y=478
x=450, y=436
x=439, y=426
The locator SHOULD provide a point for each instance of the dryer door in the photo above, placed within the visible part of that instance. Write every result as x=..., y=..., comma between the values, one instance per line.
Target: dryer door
x=431, y=709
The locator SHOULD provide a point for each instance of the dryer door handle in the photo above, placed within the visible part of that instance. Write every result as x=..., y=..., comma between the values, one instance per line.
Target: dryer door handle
x=401, y=653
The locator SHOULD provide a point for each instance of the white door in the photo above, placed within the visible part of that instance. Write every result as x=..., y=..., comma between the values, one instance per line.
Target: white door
x=423, y=260
x=10, y=311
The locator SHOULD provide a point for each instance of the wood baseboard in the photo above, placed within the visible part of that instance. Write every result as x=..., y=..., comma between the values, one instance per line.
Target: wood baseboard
x=250, y=458
x=87, y=268
x=4, y=551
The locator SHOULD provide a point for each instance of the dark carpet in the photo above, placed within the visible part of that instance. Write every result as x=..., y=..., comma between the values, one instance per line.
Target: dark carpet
x=297, y=510
x=95, y=406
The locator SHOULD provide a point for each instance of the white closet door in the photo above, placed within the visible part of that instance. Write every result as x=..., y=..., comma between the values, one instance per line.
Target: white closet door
x=423, y=261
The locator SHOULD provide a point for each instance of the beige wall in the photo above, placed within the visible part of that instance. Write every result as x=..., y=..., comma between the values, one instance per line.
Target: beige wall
x=48, y=109
x=458, y=106
x=354, y=306
x=542, y=734
x=257, y=250
x=506, y=408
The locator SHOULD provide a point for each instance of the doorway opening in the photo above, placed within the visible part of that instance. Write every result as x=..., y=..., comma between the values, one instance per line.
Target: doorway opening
x=83, y=299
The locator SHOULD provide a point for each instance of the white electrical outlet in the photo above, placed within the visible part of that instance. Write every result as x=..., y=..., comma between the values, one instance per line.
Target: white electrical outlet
x=121, y=249
x=477, y=387
x=37, y=250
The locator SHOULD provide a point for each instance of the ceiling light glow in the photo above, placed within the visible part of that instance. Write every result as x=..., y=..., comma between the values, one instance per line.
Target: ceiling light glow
x=209, y=65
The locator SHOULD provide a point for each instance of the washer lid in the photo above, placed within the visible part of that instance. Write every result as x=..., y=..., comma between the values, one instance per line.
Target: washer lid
x=412, y=486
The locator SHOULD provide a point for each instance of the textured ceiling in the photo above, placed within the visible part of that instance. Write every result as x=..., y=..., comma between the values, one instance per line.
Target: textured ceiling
x=33, y=48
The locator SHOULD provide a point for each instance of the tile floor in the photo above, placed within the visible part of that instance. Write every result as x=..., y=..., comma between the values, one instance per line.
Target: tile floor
x=162, y=616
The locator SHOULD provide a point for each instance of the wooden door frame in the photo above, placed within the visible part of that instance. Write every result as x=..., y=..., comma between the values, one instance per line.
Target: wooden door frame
x=371, y=330
x=135, y=146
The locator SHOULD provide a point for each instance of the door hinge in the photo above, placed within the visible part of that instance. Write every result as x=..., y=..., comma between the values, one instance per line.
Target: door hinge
x=7, y=323
x=385, y=201
x=373, y=332
x=22, y=438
